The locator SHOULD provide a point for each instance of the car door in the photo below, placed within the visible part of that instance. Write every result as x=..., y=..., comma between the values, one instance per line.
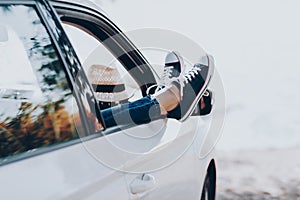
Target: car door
x=171, y=169
x=156, y=157
x=46, y=114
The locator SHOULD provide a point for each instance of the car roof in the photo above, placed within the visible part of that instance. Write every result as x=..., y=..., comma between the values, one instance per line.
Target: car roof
x=81, y=3
x=84, y=3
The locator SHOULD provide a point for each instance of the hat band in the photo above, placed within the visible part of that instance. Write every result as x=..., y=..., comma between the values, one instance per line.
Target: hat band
x=110, y=97
x=109, y=88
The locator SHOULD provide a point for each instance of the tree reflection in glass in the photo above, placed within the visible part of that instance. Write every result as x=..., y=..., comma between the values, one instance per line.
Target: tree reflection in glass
x=35, y=98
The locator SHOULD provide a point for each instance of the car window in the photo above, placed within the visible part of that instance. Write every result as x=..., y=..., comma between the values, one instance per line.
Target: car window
x=101, y=46
x=93, y=54
x=36, y=103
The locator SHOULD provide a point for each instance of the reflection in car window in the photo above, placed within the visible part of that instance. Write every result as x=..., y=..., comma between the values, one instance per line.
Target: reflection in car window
x=35, y=99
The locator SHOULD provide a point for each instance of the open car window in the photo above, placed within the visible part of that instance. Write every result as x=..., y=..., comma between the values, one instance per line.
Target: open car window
x=100, y=44
x=93, y=54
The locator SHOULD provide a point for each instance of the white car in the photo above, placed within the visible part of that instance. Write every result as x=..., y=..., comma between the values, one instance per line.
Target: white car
x=49, y=147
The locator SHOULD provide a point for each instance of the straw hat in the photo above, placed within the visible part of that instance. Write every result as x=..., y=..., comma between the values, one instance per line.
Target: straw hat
x=108, y=85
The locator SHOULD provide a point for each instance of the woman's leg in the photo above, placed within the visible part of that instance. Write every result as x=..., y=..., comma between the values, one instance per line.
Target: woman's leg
x=168, y=99
x=138, y=112
x=143, y=110
x=165, y=101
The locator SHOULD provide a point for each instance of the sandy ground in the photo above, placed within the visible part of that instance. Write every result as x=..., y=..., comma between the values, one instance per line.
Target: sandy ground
x=268, y=174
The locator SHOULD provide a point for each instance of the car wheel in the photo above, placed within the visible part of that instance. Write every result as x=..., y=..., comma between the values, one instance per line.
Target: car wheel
x=209, y=188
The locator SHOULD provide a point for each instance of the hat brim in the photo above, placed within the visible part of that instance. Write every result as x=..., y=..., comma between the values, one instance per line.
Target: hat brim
x=115, y=96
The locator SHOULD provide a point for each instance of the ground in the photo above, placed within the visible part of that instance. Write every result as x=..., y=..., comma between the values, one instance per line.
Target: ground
x=264, y=174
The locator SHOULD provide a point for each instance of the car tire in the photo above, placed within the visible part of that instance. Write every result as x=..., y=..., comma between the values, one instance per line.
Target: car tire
x=209, y=187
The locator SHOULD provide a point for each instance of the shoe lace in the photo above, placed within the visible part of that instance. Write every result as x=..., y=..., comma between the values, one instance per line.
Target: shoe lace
x=183, y=80
x=192, y=73
x=164, y=80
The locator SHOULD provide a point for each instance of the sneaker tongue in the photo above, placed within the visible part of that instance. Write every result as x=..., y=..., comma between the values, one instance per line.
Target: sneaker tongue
x=176, y=67
x=175, y=60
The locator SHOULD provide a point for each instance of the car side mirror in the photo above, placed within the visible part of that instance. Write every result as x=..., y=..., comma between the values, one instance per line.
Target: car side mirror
x=3, y=34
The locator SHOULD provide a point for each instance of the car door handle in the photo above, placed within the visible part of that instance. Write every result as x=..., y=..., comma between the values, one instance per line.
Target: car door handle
x=142, y=184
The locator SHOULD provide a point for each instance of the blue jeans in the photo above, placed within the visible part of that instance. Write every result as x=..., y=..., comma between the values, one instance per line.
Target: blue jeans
x=141, y=111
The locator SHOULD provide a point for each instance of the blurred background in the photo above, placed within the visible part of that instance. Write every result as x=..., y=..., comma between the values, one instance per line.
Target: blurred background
x=256, y=46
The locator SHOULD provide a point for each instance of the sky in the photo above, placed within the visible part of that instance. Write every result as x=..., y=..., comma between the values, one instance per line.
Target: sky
x=13, y=46
x=255, y=44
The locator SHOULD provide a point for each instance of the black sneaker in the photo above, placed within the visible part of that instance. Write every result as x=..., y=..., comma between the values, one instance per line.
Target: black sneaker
x=172, y=72
x=193, y=86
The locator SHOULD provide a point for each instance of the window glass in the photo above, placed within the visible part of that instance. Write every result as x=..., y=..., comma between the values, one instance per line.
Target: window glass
x=36, y=103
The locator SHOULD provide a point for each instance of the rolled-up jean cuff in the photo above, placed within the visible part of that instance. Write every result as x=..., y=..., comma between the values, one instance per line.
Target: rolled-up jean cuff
x=141, y=111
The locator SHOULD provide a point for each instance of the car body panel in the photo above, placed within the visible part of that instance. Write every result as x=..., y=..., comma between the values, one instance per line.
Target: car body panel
x=69, y=173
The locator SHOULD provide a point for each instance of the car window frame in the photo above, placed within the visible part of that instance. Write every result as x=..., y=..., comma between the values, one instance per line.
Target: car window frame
x=144, y=75
x=73, y=66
